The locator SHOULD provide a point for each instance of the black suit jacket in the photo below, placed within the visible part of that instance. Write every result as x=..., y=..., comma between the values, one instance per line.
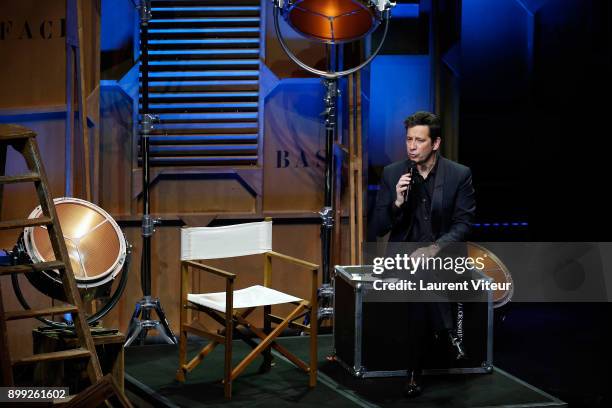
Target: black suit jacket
x=453, y=204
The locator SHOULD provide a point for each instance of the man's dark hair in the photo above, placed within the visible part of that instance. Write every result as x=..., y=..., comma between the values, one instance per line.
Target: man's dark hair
x=428, y=119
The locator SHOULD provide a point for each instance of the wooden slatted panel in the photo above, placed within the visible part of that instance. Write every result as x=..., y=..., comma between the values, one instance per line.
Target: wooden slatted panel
x=204, y=82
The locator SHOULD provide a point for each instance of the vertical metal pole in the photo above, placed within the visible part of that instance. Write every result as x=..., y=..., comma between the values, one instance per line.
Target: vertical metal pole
x=69, y=146
x=71, y=42
x=331, y=126
x=82, y=99
x=327, y=224
x=138, y=329
x=327, y=213
x=147, y=123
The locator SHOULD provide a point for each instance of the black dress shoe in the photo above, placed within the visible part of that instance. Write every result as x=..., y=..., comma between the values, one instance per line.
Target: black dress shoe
x=413, y=387
x=458, y=345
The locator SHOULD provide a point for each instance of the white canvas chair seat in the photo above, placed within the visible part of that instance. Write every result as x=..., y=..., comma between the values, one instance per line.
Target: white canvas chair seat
x=253, y=296
x=231, y=308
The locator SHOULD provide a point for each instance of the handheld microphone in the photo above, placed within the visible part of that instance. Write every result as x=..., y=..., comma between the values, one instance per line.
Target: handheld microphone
x=410, y=184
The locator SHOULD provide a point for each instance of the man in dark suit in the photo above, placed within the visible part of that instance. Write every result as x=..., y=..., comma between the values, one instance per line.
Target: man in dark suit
x=425, y=199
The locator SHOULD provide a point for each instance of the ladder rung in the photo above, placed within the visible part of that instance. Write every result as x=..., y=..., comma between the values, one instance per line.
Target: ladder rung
x=14, y=132
x=54, y=356
x=22, y=178
x=26, y=314
x=60, y=402
x=36, y=267
x=28, y=222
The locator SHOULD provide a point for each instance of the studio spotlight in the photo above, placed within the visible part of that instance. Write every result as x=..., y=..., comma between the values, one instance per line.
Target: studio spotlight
x=334, y=21
x=97, y=249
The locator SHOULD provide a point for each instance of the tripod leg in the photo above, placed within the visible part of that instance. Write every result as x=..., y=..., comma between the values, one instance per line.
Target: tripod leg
x=169, y=335
x=134, y=335
x=135, y=327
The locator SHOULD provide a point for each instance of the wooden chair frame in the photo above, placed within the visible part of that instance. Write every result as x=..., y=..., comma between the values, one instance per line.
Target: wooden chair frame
x=231, y=319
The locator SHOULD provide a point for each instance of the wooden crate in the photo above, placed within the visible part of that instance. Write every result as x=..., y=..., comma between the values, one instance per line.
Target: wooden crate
x=73, y=373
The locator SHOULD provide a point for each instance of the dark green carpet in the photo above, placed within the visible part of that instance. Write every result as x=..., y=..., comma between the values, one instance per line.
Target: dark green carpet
x=155, y=366
x=285, y=385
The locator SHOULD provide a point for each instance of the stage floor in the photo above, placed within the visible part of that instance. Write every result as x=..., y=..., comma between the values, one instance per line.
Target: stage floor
x=150, y=381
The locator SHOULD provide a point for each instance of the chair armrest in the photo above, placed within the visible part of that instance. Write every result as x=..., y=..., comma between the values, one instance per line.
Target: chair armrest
x=293, y=260
x=215, y=271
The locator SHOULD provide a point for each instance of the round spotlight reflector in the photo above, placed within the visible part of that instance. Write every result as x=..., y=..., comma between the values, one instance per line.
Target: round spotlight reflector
x=332, y=21
x=495, y=269
x=96, y=246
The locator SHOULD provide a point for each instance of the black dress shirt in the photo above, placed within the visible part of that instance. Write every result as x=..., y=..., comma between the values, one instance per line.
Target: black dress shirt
x=419, y=206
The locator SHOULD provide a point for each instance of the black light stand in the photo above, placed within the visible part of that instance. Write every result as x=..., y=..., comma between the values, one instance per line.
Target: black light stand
x=326, y=291
x=141, y=321
x=330, y=80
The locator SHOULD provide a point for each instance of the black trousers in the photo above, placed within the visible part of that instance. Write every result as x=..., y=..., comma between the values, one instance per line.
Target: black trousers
x=424, y=320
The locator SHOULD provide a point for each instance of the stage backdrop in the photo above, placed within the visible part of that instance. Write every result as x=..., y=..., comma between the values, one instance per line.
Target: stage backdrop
x=33, y=94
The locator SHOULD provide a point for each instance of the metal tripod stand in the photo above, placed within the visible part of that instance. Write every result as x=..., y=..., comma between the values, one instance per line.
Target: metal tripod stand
x=330, y=80
x=141, y=321
x=326, y=291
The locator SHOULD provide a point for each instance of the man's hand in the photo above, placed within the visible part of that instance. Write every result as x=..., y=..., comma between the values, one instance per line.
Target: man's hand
x=401, y=187
x=428, y=251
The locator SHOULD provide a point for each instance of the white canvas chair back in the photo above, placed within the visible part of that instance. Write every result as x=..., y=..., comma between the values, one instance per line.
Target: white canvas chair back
x=226, y=242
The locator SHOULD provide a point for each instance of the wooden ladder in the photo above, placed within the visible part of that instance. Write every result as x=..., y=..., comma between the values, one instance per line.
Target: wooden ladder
x=23, y=141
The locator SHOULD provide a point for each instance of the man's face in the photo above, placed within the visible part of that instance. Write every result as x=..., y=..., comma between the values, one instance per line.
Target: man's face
x=419, y=145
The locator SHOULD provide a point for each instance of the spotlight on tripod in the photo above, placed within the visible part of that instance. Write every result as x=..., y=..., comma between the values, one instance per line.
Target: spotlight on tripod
x=332, y=22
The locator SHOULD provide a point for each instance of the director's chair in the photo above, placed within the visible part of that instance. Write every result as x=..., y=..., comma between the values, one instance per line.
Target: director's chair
x=232, y=307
